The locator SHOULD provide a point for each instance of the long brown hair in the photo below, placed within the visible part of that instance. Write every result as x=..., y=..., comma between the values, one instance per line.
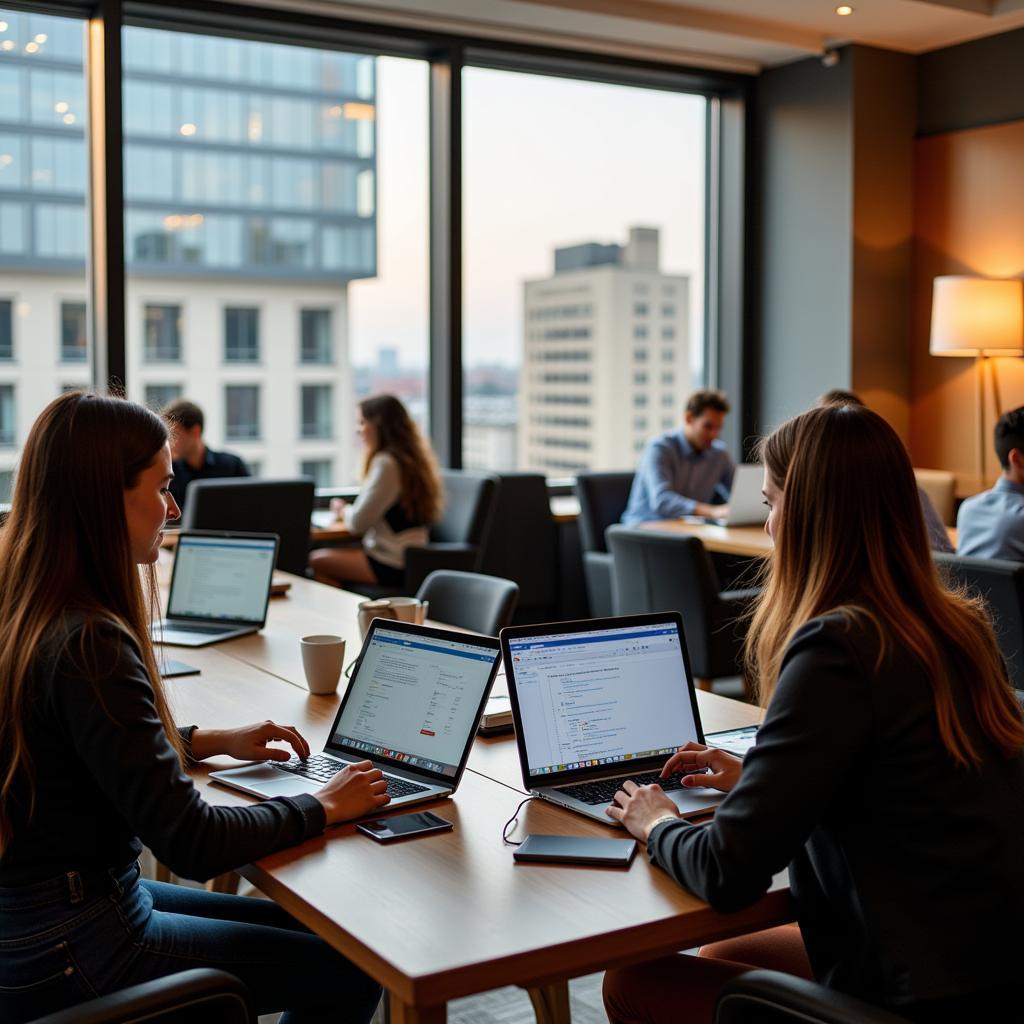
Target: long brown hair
x=65, y=548
x=850, y=537
x=422, y=498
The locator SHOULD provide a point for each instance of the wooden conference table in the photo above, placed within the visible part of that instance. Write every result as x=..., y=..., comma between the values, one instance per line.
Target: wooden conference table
x=449, y=915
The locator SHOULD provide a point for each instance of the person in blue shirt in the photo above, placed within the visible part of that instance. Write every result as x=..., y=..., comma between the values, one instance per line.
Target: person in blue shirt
x=991, y=524
x=685, y=472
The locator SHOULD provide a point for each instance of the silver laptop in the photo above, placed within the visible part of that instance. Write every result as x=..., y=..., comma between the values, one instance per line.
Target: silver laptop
x=746, y=502
x=600, y=701
x=220, y=587
x=412, y=707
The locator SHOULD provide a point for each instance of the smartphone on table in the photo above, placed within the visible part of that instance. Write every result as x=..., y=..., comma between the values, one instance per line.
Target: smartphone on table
x=402, y=826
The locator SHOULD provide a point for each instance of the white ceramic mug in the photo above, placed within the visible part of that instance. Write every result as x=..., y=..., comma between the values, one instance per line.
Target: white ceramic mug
x=322, y=658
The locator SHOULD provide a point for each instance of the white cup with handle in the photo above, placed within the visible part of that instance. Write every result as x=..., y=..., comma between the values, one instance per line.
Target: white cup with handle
x=323, y=655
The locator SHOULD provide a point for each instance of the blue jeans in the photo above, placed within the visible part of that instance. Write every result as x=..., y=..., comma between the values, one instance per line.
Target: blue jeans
x=72, y=938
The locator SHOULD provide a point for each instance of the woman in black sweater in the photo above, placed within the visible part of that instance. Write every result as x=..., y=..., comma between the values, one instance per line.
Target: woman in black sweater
x=887, y=776
x=94, y=765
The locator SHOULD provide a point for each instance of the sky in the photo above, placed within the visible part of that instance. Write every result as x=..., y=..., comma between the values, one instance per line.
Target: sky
x=546, y=162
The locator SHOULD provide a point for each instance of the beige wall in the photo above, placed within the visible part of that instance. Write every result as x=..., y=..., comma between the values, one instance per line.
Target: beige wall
x=968, y=219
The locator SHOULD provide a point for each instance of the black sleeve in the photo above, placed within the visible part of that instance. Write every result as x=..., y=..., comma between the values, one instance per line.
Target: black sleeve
x=816, y=725
x=116, y=731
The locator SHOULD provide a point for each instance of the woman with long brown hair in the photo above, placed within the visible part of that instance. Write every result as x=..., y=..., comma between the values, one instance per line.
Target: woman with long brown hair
x=888, y=774
x=400, y=498
x=93, y=764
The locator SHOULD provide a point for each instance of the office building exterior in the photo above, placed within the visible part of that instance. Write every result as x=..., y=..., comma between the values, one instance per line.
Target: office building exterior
x=605, y=356
x=250, y=190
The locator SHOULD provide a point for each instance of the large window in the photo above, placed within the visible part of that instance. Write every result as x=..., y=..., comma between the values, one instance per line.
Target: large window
x=286, y=218
x=43, y=185
x=597, y=239
x=162, y=334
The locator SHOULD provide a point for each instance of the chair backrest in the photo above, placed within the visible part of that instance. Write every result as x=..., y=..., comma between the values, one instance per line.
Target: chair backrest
x=470, y=600
x=939, y=485
x=199, y=996
x=468, y=507
x=658, y=572
x=284, y=507
x=603, y=498
x=771, y=997
x=1000, y=584
x=522, y=542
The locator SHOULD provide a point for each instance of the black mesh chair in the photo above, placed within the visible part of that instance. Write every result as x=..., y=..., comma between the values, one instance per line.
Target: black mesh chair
x=284, y=507
x=457, y=539
x=523, y=545
x=771, y=997
x=1000, y=584
x=199, y=996
x=603, y=498
x=470, y=600
x=657, y=572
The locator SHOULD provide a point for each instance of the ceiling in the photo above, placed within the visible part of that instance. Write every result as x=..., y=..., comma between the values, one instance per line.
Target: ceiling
x=739, y=34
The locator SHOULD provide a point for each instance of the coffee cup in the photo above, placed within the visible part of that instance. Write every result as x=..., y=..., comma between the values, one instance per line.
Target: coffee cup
x=322, y=658
x=399, y=609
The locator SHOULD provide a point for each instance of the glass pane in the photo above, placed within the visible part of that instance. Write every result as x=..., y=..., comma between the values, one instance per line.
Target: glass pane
x=43, y=188
x=286, y=222
x=602, y=249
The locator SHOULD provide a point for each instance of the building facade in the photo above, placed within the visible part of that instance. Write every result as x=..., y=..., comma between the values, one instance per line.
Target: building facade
x=250, y=189
x=606, y=359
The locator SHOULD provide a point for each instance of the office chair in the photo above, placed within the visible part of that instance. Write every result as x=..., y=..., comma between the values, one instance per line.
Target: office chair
x=457, y=539
x=284, y=507
x=656, y=572
x=1000, y=584
x=199, y=996
x=603, y=498
x=470, y=600
x=771, y=997
x=522, y=545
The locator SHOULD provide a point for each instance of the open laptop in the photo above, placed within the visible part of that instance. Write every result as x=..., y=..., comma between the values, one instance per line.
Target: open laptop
x=220, y=587
x=411, y=707
x=746, y=502
x=599, y=701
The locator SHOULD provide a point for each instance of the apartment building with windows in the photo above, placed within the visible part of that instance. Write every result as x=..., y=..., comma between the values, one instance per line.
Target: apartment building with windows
x=250, y=190
x=605, y=356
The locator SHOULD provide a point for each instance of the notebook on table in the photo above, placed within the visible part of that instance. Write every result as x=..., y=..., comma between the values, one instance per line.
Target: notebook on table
x=411, y=708
x=220, y=587
x=599, y=701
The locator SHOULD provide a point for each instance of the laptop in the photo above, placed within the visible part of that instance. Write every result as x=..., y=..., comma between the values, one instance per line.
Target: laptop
x=220, y=587
x=411, y=707
x=599, y=701
x=746, y=502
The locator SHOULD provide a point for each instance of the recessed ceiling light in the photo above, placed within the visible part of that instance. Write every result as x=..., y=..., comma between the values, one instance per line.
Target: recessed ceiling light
x=3, y=26
x=69, y=118
x=31, y=47
x=187, y=129
x=843, y=10
x=41, y=38
x=61, y=107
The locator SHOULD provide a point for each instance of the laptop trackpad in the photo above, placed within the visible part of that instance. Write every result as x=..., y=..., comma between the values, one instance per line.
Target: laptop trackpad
x=268, y=780
x=690, y=800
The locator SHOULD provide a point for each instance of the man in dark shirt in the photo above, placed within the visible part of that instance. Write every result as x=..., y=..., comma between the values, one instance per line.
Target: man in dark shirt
x=192, y=459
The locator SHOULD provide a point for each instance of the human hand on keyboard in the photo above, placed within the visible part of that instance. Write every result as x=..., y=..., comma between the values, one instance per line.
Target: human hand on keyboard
x=355, y=790
x=249, y=742
x=704, y=766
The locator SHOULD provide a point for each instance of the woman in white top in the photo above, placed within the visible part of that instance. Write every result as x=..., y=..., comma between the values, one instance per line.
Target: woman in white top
x=401, y=496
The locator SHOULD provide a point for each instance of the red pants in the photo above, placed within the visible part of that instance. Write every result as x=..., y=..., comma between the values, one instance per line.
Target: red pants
x=682, y=989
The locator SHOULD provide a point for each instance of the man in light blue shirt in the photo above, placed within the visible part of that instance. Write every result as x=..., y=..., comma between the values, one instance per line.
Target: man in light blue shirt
x=685, y=472
x=991, y=524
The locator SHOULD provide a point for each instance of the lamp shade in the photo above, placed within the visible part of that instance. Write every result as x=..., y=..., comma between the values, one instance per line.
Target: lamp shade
x=977, y=315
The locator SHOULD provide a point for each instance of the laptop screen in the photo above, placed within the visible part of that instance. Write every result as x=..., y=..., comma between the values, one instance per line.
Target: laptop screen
x=222, y=579
x=415, y=699
x=602, y=696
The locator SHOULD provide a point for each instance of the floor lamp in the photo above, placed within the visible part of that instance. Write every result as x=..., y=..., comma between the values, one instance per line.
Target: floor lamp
x=978, y=317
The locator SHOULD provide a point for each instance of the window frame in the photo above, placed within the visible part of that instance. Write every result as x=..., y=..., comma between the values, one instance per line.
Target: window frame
x=728, y=313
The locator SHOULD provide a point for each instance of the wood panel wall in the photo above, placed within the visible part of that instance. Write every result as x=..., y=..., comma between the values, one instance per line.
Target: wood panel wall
x=968, y=219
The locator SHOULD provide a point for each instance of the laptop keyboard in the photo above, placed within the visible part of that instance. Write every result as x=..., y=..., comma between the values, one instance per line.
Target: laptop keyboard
x=601, y=791
x=184, y=627
x=319, y=768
